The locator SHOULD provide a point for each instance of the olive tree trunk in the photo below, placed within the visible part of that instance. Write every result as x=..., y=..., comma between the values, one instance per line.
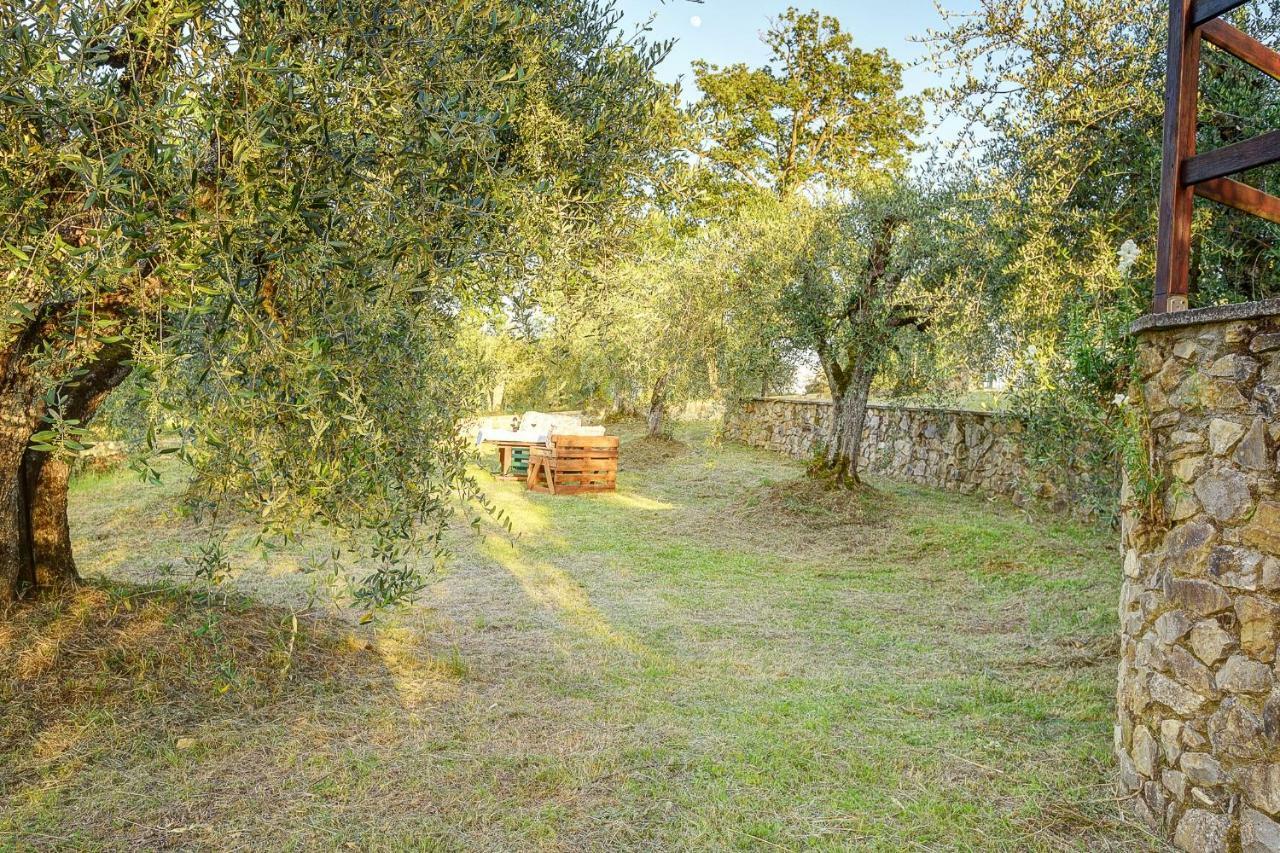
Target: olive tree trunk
x=849, y=417
x=46, y=481
x=16, y=569
x=657, y=414
x=25, y=506
x=35, y=534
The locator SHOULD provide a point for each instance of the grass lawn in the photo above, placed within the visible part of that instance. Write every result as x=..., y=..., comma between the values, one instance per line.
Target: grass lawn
x=712, y=658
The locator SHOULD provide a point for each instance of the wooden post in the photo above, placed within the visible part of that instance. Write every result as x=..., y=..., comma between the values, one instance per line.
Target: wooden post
x=1173, y=258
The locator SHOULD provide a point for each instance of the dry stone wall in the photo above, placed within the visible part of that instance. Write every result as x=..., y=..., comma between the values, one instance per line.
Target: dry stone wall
x=963, y=450
x=1198, y=698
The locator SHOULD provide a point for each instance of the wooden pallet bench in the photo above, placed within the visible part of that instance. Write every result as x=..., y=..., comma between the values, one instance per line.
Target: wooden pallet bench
x=571, y=464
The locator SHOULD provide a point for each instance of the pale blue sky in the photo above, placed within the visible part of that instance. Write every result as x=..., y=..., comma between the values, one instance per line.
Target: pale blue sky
x=730, y=30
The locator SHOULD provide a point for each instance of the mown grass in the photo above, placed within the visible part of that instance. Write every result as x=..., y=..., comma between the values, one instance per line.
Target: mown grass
x=715, y=657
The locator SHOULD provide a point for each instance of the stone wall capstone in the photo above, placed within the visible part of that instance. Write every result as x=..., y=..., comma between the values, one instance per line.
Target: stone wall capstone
x=1198, y=695
x=958, y=449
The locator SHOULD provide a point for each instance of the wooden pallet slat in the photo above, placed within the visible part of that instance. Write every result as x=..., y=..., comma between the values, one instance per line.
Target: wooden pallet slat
x=574, y=464
x=1259, y=151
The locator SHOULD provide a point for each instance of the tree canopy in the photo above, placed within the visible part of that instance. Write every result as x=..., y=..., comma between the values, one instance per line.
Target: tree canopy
x=271, y=215
x=1064, y=105
x=823, y=112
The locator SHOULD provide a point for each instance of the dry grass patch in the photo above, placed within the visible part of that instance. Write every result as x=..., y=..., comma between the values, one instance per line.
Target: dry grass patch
x=818, y=505
x=647, y=451
x=801, y=515
x=112, y=676
x=160, y=659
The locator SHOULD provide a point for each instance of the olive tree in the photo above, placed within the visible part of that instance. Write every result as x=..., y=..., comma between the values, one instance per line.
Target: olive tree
x=823, y=113
x=269, y=215
x=866, y=281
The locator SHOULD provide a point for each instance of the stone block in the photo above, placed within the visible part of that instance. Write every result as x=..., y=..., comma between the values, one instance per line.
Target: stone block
x=1244, y=675
x=1145, y=752
x=1132, y=566
x=1182, y=700
x=1193, y=737
x=1239, y=368
x=1235, y=567
x=1259, y=626
x=1263, y=530
x=1180, y=504
x=1188, y=545
x=1261, y=786
x=1270, y=577
x=1175, y=782
x=1222, y=395
x=1202, y=831
x=1223, y=435
x=1224, y=494
x=1171, y=739
x=1202, y=769
x=1186, y=468
x=1252, y=451
x=1186, y=350
x=1156, y=801
x=1172, y=626
x=1236, y=732
x=1202, y=598
x=1189, y=671
x=1209, y=641
x=1258, y=833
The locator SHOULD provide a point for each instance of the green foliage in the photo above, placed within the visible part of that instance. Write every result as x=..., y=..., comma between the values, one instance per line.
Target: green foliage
x=681, y=314
x=850, y=292
x=1064, y=101
x=275, y=213
x=822, y=112
x=690, y=307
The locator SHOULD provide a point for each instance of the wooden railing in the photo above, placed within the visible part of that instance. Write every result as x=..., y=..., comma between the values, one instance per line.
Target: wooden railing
x=1186, y=174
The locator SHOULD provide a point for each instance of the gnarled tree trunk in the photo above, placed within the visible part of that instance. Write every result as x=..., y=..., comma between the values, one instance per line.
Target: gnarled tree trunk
x=17, y=559
x=849, y=417
x=46, y=480
x=35, y=535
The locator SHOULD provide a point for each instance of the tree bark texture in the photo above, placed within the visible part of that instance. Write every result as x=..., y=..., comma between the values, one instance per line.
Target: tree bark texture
x=850, y=416
x=35, y=534
x=658, y=408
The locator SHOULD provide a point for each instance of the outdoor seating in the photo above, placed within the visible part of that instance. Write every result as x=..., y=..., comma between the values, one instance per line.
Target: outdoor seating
x=571, y=464
x=532, y=429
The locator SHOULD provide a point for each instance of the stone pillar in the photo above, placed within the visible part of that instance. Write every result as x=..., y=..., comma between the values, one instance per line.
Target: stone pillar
x=1198, y=699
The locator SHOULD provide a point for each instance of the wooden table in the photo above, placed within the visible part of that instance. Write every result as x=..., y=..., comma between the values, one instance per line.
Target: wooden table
x=505, y=449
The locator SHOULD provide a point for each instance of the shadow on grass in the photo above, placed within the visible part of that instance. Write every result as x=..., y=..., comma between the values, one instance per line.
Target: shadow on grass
x=142, y=716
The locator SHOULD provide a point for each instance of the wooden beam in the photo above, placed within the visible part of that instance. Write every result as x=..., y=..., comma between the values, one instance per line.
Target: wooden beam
x=1182, y=80
x=1242, y=46
x=1204, y=11
x=1241, y=197
x=1260, y=151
